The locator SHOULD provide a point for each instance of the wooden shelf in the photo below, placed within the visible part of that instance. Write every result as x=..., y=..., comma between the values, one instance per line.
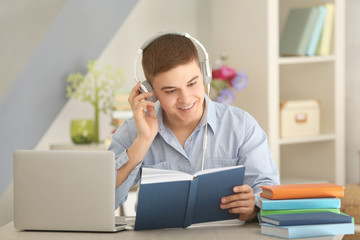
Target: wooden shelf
x=273, y=78
x=302, y=60
x=319, y=138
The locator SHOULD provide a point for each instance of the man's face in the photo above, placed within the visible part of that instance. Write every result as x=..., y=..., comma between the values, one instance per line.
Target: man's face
x=181, y=93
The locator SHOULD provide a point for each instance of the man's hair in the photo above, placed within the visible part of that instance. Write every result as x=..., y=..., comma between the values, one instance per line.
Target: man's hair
x=167, y=52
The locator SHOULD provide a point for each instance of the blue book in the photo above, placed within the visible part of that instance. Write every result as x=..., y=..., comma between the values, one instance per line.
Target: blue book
x=297, y=31
x=304, y=203
x=292, y=219
x=171, y=199
x=303, y=231
x=315, y=37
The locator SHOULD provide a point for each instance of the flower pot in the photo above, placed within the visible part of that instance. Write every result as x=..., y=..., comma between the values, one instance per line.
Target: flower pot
x=82, y=131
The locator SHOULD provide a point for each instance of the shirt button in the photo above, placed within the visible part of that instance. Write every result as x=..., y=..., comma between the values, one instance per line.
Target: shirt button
x=187, y=160
x=190, y=138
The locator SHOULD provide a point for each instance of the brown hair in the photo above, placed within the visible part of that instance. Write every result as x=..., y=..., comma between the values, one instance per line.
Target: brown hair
x=167, y=52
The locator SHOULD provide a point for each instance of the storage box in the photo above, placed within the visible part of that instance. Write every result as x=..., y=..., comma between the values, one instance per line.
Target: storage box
x=299, y=118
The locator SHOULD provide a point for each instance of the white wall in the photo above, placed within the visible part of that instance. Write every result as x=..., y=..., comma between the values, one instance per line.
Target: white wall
x=18, y=19
x=352, y=91
x=23, y=24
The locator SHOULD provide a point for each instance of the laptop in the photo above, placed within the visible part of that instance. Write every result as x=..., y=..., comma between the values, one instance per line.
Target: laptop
x=65, y=191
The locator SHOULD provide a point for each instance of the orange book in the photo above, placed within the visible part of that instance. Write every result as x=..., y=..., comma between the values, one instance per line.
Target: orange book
x=310, y=190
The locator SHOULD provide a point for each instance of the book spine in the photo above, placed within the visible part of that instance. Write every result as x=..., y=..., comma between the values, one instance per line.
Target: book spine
x=303, y=231
x=336, y=192
x=305, y=39
x=315, y=37
x=290, y=211
x=298, y=204
x=320, y=230
x=191, y=203
x=324, y=45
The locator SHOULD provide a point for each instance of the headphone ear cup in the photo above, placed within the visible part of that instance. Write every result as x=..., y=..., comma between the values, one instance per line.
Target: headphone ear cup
x=206, y=79
x=146, y=87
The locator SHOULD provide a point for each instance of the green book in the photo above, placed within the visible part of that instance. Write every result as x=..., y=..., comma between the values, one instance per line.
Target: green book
x=288, y=211
x=298, y=30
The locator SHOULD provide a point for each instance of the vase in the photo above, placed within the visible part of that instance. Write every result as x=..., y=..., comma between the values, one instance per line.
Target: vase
x=82, y=131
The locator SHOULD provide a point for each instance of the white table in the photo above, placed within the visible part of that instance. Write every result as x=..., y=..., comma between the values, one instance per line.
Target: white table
x=202, y=231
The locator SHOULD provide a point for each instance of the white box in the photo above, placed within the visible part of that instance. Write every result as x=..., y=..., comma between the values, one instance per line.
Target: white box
x=299, y=118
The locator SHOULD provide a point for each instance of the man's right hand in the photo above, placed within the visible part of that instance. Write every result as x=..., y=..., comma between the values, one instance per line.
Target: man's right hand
x=146, y=123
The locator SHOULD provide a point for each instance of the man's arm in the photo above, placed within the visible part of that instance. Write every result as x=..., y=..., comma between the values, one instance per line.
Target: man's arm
x=130, y=153
x=136, y=154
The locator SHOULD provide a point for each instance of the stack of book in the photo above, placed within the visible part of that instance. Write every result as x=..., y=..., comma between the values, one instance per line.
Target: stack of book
x=121, y=108
x=308, y=31
x=303, y=210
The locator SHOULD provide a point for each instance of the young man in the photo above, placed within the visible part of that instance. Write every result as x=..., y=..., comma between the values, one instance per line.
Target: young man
x=170, y=135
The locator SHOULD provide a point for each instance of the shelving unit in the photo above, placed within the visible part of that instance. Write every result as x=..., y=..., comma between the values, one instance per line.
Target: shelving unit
x=299, y=60
x=251, y=39
x=320, y=138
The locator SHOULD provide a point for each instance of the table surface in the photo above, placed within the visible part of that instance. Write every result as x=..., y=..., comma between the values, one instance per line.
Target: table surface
x=229, y=230
x=209, y=231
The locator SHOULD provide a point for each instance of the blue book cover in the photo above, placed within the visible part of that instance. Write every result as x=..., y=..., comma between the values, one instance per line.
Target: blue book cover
x=170, y=199
x=303, y=231
x=315, y=37
x=297, y=31
x=304, y=203
x=292, y=219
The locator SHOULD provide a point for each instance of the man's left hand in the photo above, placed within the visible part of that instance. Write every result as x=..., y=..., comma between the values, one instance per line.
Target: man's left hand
x=242, y=202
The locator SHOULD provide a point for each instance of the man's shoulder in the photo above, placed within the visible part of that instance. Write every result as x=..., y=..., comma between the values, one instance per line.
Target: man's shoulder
x=226, y=110
x=228, y=115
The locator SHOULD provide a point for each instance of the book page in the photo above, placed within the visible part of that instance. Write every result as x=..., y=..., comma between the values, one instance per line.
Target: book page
x=211, y=170
x=153, y=175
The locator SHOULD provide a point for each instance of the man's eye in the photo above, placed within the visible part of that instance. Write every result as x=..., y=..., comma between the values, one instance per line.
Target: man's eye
x=192, y=84
x=170, y=91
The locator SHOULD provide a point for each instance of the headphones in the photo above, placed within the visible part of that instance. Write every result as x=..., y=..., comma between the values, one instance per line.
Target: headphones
x=205, y=68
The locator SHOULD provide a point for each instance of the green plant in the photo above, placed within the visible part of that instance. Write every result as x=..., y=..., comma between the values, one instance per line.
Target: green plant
x=96, y=87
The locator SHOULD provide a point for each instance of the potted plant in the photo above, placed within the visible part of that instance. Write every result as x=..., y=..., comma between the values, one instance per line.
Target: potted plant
x=96, y=87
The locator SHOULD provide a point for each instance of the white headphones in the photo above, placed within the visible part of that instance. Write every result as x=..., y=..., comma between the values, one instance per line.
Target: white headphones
x=145, y=86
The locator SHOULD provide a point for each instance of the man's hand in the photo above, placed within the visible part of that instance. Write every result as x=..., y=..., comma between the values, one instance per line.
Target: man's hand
x=242, y=202
x=146, y=124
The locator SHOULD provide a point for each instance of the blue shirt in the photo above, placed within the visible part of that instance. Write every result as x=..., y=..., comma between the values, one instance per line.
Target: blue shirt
x=234, y=138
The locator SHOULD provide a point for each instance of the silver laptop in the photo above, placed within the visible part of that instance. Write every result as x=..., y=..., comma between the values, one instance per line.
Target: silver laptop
x=65, y=191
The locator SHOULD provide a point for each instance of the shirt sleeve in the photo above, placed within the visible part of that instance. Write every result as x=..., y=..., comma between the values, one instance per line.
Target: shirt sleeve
x=256, y=157
x=120, y=142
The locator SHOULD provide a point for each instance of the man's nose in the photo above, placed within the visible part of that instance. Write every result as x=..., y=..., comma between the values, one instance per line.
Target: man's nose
x=183, y=96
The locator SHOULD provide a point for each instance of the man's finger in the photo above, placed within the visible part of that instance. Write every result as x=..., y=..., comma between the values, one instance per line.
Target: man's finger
x=236, y=204
x=242, y=188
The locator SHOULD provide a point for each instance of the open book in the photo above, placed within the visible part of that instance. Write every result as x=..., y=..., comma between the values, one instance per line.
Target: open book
x=169, y=199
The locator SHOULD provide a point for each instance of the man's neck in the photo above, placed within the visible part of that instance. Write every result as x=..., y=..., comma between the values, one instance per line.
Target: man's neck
x=178, y=125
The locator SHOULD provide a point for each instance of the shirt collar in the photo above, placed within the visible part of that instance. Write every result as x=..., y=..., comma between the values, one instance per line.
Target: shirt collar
x=211, y=116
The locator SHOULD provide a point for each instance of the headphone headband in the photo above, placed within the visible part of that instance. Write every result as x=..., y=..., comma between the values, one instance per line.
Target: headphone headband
x=184, y=34
x=207, y=74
